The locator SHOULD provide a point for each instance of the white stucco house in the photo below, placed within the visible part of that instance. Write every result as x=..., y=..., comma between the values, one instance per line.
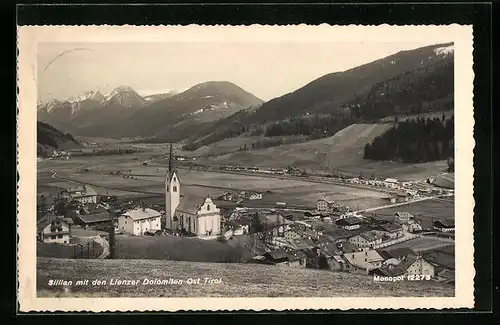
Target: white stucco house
x=139, y=220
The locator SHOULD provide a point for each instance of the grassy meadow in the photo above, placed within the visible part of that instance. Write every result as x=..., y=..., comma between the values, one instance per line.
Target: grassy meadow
x=237, y=280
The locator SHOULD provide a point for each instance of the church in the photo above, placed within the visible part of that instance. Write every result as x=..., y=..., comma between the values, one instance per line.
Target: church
x=195, y=215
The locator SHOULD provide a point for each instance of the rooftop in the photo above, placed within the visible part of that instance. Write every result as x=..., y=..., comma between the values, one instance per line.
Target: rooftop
x=80, y=191
x=396, y=252
x=47, y=220
x=95, y=217
x=363, y=259
x=397, y=267
x=190, y=204
x=139, y=214
x=349, y=221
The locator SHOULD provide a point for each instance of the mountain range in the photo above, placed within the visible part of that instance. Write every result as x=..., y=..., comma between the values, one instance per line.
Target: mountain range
x=413, y=81
x=123, y=112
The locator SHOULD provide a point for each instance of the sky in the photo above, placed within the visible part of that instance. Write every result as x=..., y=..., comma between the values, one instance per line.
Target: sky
x=267, y=70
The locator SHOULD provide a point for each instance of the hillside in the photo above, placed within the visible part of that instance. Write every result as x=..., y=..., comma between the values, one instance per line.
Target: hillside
x=50, y=138
x=408, y=82
x=238, y=280
x=343, y=148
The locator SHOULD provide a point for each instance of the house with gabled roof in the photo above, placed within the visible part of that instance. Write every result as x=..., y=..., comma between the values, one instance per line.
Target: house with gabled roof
x=139, y=220
x=350, y=223
x=407, y=265
x=366, y=239
x=54, y=229
x=390, y=230
x=363, y=262
x=83, y=194
x=447, y=225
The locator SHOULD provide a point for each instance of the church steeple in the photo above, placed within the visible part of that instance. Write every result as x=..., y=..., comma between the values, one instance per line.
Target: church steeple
x=170, y=161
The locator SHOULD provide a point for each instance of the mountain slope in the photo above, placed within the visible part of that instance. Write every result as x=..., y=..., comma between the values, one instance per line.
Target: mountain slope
x=49, y=139
x=412, y=81
x=344, y=148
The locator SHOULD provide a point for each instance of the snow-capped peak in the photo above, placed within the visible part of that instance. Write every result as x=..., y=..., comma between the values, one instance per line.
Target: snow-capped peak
x=93, y=94
x=119, y=90
x=446, y=50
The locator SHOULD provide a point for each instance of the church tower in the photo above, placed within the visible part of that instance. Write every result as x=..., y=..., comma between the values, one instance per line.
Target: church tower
x=172, y=192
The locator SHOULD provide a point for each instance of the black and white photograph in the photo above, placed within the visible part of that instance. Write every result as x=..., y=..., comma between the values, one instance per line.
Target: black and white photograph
x=217, y=167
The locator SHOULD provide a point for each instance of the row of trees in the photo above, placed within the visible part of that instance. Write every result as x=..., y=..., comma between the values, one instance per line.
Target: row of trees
x=416, y=140
x=316, y=126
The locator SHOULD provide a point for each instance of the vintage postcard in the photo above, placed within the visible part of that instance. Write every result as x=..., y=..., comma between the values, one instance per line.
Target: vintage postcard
x=167, y=168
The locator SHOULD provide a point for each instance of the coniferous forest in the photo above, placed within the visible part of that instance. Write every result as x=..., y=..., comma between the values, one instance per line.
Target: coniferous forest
x=414, y=141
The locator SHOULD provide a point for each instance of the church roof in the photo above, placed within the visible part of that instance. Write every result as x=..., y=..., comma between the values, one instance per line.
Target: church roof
x=190, y=204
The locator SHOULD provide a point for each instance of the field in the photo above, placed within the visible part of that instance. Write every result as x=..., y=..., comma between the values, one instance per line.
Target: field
x=425, y=243
x=178, y=249
x=148, y=180
x=237, y=280
x=426, y=211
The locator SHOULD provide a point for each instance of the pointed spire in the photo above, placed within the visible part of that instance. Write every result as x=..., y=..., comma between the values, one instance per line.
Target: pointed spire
x=170, y=160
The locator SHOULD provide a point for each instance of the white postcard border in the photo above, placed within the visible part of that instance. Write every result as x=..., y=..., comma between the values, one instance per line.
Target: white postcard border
x=30, y=36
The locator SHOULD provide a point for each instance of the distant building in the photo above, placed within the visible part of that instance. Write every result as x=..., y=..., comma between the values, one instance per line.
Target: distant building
x=281, y=205
x=228, y=196
x=390, y=230
x=99, y=219
x=137, y=221
x=366, y=239
x=363, y=262
x=404, y=261
x=447, y=225
x=404, y=216
x=52, y=229
x=255, y=196
x=325, y=205
x=350, y=223
x=83, y=194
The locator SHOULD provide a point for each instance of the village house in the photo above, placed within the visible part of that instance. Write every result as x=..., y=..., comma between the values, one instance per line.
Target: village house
x=292, y=233
x=366, y=239
x=289, y=259
x=96, y=220
x=340, y=234
x=411, y=226
x=404, y=261
x=194, y=215
x=363, y=262
x=389, y=230
x=139, y=220
x=403, y=216
x=350, y=223
x=447, y=225
x=325, y=205
x=228, y=196
x=54, y=229
x=255, y=196
x=82, y=194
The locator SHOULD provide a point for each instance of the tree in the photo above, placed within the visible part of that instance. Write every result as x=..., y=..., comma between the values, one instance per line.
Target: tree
x=256, y=224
